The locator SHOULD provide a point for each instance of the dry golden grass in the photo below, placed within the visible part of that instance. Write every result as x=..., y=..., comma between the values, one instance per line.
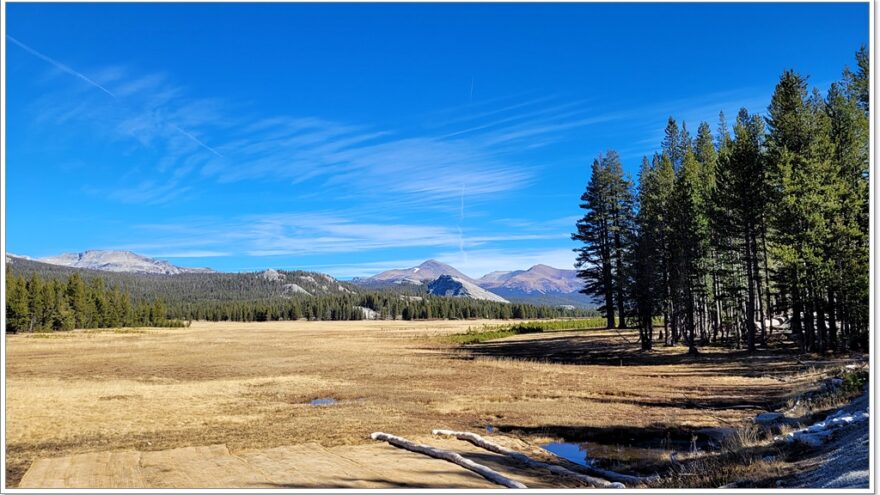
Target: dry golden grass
x=248, y=385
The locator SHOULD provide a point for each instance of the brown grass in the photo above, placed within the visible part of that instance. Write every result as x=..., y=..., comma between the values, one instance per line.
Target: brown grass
x=248, y=386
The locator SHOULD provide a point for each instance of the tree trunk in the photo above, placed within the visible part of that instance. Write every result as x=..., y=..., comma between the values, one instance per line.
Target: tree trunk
x=762, y=315
x=809, y=322
x=618, y=255
x=769, y=306
x=555, y=469
x=797, y=309
x=750, y=298
x=446, y=455
x=832, y=321
x=820, y=323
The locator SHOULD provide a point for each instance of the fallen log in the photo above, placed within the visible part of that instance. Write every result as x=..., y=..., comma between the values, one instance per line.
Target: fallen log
x=446, y=455
x=555, y=469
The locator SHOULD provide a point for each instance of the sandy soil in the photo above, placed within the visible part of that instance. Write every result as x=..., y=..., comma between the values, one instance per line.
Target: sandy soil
x=248, y=386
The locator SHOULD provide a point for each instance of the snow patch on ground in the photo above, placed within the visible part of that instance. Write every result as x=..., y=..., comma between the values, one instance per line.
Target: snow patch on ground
x=843, y=460
x=818, y=433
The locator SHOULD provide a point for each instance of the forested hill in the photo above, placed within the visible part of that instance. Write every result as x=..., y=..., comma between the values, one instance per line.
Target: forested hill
x=41, y=296
x=196, y=287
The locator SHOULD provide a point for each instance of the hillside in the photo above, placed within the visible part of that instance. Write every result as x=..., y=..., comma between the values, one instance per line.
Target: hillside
x=539, y=285
x=118, y=261
x=189, y=286
x=256, y=296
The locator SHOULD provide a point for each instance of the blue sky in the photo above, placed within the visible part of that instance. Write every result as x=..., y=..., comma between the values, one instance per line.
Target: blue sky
x=350, y=139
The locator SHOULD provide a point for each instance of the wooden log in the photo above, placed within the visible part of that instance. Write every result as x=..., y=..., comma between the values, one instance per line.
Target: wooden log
x=446, y=455
x=553, y=468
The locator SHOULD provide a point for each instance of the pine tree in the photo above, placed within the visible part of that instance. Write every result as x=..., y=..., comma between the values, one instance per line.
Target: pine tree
x=707, y=155
x=689, y=243
x=805, y=185
x=606, y=231
x=36, y=303
x=665, y=185
x=741, y=199
x=847, y=107
x=648, y=256
x=685, y=142
x=594, y=260
x=672, y=146
x=858, y=83
x=621, y=204
x=77, y=300
x=17, y=311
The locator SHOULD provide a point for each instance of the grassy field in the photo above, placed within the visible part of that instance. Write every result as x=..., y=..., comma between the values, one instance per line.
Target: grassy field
x=483, y=333
x=249, y=385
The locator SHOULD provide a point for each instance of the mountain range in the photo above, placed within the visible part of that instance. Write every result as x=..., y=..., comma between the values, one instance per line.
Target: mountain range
x=417, y=275
x=540, y=284
x=144, y=280
x=118, y=261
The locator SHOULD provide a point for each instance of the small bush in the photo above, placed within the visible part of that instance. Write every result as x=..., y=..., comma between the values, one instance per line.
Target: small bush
x=854, y=381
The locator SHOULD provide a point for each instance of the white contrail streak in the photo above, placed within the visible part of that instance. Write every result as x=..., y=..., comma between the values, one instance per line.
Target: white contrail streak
x=59, y=65
x=460, y=232
x=81, y=76
x=196, y=140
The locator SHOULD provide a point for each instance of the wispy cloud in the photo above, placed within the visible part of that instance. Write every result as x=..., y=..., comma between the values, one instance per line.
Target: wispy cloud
x=145, y=120
x=189, y=254
x=198, y=139
x=467, y=155
x=293, y=235
x=58, y=65
x=149, y=192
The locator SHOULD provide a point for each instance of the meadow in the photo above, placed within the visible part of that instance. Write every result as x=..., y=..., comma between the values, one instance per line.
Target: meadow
x=251, y=385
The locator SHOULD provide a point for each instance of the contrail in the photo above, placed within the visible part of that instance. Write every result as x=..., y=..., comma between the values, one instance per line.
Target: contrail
x=59, y=65
x=460, y=232
x=85, y=78
x=196, y=140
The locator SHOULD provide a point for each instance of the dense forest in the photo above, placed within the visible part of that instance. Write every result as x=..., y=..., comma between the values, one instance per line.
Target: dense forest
x=47, y=297
x=729, y=234
x=39, y=304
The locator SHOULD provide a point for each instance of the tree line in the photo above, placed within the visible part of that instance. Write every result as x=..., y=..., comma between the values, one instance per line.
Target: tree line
x=53, y=302
x=387, y=305
x=36, y=304
x=730, y=235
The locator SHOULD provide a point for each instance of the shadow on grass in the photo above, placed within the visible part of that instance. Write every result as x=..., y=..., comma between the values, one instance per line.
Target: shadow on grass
x=590, y=350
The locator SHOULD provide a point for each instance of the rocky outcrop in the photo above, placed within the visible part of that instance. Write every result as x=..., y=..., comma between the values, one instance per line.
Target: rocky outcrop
x=450, y=286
